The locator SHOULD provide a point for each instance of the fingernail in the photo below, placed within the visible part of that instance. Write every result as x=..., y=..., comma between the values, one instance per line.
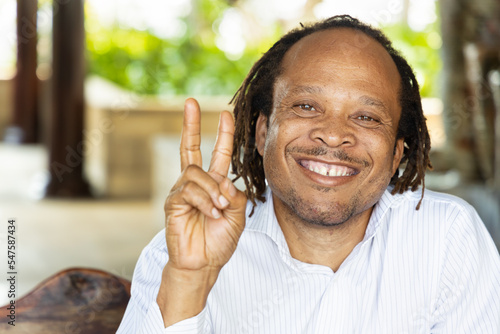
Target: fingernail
x=215, y=213
x=223, y=201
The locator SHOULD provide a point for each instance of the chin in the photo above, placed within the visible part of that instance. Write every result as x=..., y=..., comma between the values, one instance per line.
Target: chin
x=330, y=218
x=322, y=214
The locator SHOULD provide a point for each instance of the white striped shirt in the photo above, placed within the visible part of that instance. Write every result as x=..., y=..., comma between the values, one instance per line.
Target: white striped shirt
x=435, y=270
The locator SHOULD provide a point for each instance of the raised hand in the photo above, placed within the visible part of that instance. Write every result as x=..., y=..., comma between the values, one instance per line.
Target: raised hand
x=205, y=216
x=205, y=213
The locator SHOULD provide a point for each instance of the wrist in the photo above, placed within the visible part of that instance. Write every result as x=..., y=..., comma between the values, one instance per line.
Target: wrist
x=190, y=279
x=183, y=293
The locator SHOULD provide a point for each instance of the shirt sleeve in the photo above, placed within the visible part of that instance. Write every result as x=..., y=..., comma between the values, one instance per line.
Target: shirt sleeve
x=469, y=294
x=143, y=314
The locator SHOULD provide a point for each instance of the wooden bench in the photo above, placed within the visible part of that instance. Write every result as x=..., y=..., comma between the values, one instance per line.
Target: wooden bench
x=73, y=301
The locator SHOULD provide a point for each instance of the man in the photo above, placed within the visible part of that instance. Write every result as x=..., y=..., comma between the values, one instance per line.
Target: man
x=327, y=238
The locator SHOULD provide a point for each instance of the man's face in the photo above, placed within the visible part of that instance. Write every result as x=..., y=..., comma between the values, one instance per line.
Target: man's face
x=329, y=146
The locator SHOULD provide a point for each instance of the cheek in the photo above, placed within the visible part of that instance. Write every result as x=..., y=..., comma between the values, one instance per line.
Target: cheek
x=278, y=136
x=270, y=143
x=277, y=140
x=270, y=148
x=382, y=152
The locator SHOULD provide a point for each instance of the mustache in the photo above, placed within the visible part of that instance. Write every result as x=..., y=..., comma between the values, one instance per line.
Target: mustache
x=340, y=155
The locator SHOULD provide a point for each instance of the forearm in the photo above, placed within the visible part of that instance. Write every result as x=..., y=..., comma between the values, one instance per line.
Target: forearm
x=183, y=293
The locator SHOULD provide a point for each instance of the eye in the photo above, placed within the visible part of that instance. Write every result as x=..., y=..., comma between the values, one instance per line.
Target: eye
x=367, y=121
x=367, y=118
x=305, y=107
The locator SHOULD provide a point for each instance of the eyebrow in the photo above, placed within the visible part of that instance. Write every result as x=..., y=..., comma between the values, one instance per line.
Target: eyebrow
x=306, y=89
x=298, y=90
x=370, y=101
x=365, y=99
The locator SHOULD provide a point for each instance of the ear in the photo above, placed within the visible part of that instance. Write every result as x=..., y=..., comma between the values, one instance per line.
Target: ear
x=398, y=154
x=261, y=133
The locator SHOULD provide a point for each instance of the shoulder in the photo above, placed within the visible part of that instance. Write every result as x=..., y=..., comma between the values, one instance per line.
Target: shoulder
x=438, y=214
x=451, y=223
x=431, y=198
x=443, y=222
x=445, y=238
x=436, y=207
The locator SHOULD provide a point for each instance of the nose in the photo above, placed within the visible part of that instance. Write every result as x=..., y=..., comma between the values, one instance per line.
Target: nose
x=333, y=131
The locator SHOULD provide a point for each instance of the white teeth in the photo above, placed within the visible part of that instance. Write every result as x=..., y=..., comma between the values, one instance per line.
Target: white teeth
x=323, y=170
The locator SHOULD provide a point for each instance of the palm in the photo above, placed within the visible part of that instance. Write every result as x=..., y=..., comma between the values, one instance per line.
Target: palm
x=195, y=238
x=204, y=241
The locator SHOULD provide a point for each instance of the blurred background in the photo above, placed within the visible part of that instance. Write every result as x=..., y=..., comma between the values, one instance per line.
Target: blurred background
x=92, y=92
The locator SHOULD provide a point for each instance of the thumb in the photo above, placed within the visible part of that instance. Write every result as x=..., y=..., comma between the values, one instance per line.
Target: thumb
x=234, y=211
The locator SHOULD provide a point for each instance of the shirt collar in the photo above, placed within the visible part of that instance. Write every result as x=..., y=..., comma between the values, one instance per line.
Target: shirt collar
x=385, y=203
x=264, y=219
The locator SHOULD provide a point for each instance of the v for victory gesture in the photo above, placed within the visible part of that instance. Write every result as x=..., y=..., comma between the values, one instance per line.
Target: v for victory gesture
x=205, y=216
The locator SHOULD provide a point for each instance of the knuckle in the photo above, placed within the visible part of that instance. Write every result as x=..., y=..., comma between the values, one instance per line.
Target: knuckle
x=213, y=188
x=168, y=200
x=188, y=187
x=202, y=202
x=217, y=176
x=191, y=170
x=193, y=147
x=171, y=198
x=225, y=151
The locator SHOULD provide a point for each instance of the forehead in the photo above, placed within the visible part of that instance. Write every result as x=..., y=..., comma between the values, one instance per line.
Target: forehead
x=340, y=51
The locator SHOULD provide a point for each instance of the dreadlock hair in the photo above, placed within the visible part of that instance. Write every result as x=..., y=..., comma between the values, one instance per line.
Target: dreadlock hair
x=255, y=97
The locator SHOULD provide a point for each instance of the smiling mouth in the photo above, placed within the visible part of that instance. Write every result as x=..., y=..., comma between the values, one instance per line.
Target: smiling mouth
x=325, y=169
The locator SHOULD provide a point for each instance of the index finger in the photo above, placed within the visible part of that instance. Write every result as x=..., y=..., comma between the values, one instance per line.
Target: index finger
x=191, y=138
x=221, y=156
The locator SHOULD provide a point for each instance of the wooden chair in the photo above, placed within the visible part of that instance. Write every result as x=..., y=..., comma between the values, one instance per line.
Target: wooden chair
x=73, y=301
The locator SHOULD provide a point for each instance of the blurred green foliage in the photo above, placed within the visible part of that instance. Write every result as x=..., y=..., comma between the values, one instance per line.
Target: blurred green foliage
x=193, y=65
x=422, y=50
x=146, y=64
x=189, y=65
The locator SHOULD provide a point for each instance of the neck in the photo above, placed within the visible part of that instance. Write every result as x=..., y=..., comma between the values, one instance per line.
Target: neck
x=324, y=245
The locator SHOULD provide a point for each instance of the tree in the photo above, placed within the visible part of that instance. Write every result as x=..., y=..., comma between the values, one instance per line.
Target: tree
x=471, y=49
